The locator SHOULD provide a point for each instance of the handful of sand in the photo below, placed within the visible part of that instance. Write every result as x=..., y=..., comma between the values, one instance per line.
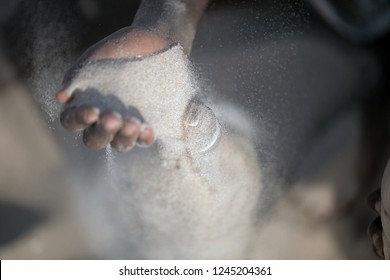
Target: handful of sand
x=158, y=87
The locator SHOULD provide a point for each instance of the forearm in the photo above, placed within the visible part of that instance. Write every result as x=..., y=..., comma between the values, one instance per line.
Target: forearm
x=174, y=19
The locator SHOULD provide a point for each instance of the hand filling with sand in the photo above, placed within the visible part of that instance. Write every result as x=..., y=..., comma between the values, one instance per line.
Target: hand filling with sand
x=171, y=200
x=156, y=91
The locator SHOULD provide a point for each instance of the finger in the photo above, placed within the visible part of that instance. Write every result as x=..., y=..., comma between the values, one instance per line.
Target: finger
x=75, y=119
x=63, y=96
x=375, y=232
x=126, y=138
x=103, y=131
x=374, y=201
x=146, y=137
